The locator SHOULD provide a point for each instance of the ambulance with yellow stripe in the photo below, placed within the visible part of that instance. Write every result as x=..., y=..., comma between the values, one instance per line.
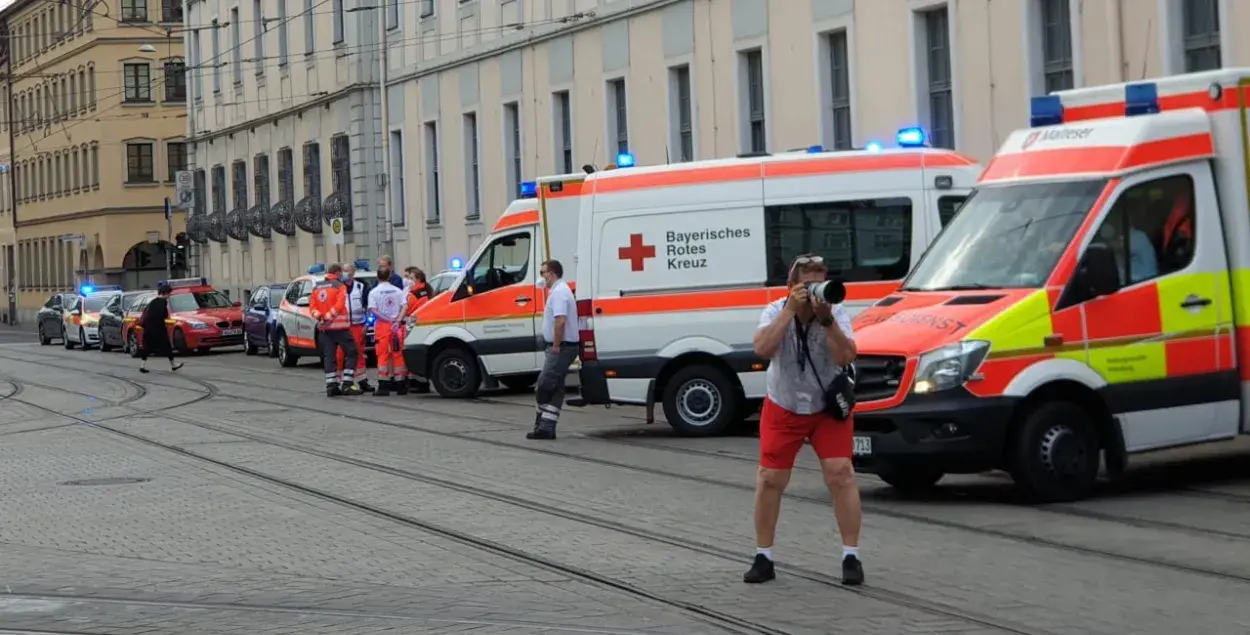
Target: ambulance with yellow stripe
x=1090, y=302
x=676, y=262
x=486, y=329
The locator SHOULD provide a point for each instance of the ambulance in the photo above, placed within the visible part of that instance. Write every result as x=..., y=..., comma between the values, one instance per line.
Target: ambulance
x=486, y=330
x=677, y=262
x=1067, y=316
x=297, y=334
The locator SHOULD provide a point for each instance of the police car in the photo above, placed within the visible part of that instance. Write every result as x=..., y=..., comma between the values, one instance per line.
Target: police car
x=297, y=330
x=82, y=320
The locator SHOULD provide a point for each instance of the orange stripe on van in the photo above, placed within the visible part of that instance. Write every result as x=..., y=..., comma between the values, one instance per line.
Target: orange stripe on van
x=1097, y=159
x=716, y=300
x=1197, y=99
x=692, y=176
x=568, y=189
x=870, y=163
x=516, y=219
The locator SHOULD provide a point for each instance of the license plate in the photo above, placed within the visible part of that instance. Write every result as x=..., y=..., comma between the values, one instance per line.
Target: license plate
x=862, y=447
x=229, y=332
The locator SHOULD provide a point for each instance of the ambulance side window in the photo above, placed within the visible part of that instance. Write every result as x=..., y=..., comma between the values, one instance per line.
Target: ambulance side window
x=1150, y=230
x=293, y=291
x=861, y=240
x=948, y=206
x=505, y=262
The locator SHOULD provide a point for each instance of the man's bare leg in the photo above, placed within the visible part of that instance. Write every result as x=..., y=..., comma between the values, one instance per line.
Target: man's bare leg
x=839, y=477
x=770, y=484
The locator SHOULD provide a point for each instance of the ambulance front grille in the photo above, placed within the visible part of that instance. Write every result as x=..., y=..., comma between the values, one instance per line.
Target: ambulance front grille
x=877, y=376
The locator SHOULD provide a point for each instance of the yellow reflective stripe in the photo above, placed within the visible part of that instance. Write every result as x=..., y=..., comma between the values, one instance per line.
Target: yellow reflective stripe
x=1139, y=361
x=1173, y=290
x=1241, y=294
x=1019, y=328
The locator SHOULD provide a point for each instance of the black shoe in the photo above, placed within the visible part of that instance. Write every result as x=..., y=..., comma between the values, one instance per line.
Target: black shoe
x=364, y=386
x=333, y=390
x=175, y=367
x=144, y=370
x=384, y=388
x=762, y=570
x=401, y=386
x=542, y=434
x=350, y=388
x=852, y=571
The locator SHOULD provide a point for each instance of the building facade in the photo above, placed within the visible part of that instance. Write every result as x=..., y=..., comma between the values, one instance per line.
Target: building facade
x=94, y=113
x=285, y=122
x=485, y=94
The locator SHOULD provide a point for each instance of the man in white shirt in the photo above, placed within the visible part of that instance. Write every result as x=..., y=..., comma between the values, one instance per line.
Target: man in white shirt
x=357, y=306
x=562, y=337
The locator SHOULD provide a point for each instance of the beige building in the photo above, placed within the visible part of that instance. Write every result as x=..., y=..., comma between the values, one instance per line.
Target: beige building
x=484, y=94
x=95, y=121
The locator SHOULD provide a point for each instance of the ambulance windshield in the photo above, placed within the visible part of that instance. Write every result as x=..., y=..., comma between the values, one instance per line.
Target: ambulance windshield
x=1005, y=237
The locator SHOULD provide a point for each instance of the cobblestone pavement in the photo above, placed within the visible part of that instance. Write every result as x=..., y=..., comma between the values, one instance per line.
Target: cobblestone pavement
x=258, y=506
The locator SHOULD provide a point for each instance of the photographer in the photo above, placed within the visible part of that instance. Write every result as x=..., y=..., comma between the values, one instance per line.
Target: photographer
x=809, y=343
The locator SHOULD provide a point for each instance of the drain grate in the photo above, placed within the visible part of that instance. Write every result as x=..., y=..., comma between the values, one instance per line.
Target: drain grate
x=115, y=480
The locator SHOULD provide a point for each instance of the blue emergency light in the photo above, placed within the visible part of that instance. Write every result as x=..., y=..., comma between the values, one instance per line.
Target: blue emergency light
x=815, y=149
x=183, y=283
x=911, y=138
x=529, y=189
x=1141, y=99
x=316, y=270
x=87, y=289
x=873, y=146
x=624, y=160
x=362, y=264
x=455, y=264
x=370, y=319
x=1046, y=110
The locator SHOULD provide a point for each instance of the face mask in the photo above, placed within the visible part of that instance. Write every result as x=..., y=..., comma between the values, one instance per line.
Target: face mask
x=541, y=284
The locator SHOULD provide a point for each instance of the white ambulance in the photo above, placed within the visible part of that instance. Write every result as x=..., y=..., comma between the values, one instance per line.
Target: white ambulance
x=1097, y=309
x=486, y=329
x=676, y=263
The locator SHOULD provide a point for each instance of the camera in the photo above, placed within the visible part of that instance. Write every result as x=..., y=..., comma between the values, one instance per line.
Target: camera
x=829, y=291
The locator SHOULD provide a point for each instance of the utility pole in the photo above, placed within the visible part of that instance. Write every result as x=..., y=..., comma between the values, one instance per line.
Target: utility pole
x=169, y=239
x=384, y=175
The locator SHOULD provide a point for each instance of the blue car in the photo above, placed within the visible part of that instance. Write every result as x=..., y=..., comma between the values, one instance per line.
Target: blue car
x=260, y=320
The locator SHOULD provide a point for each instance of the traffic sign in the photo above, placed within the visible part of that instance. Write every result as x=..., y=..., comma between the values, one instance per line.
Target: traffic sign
x=336, y=231
x=185, y=188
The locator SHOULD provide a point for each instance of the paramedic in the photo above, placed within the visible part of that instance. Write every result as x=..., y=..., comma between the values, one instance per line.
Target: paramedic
x=563, y=339
x=807, y=343
x=418, y=295
x=358, y=306
x=387, y=303
x=329, y=306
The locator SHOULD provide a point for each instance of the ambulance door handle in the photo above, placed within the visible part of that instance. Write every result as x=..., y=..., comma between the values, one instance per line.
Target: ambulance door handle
x=523, y=299
x=1193, y=302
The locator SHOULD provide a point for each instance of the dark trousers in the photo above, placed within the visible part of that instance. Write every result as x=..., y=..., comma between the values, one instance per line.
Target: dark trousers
x=331, y=343
x=549, y=393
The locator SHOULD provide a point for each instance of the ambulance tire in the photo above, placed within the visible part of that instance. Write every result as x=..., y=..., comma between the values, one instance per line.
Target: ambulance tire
x=286, y=358
x=700, y=401
x=1057, y=455
x=449, y=363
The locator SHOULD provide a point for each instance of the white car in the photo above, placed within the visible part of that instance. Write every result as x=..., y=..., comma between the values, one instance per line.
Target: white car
x=82, y=320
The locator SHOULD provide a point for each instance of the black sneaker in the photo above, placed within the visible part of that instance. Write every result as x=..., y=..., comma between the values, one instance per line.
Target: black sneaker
x=852, y=571
x=401, y=386
x=762, y=570
x=542, y=434
x=384, y=388
x=364, y=386
x=333, y=390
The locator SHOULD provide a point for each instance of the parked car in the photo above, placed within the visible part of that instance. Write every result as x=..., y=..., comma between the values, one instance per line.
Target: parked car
x=51, y=318
x=297, y=330
x=82, y=320
x=201, y=318
x=112, y=318
x=260, y=321
x=442, y=281
x=131, y=331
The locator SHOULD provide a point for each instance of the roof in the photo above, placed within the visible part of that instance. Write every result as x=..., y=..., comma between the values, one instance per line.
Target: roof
x=1191, y=90
x=790, y=164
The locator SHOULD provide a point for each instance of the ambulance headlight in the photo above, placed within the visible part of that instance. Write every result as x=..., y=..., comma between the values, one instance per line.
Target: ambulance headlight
x=949, y=367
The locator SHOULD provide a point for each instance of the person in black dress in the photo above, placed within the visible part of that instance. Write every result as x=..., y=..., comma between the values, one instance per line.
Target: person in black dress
x=155, y=333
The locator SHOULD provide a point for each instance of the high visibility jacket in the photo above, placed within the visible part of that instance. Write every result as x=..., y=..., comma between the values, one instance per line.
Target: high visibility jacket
x=419, y=294
x=357, y=302
x=388, y=302
x=329, y=305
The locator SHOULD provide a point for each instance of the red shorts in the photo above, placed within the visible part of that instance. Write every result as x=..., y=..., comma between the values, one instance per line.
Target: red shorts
x=782, y=433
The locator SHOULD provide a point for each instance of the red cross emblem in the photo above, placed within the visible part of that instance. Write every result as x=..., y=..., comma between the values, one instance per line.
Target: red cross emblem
x=636, y=252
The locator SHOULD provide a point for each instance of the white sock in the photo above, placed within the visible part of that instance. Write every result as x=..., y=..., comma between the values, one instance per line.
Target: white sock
x=767, y=552
x=850, y=551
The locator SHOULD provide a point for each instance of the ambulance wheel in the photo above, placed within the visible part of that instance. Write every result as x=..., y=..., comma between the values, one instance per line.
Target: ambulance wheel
x=285, y=357
x=517, y=383
x=1056, y=453
x=908, y=479
x=700, y=401
x=455, y=374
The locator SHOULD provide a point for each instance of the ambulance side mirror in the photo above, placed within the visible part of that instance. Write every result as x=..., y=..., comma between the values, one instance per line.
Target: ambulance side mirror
x=1097, y=274
x=302, y=301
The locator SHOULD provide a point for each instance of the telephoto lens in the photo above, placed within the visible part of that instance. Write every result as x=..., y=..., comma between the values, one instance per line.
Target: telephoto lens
x=829, y=291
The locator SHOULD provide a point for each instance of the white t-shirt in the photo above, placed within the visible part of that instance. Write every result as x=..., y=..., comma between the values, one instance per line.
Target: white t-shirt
x=387, y=301
x=785, y=381
x=356, y=301
x=560, y=303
